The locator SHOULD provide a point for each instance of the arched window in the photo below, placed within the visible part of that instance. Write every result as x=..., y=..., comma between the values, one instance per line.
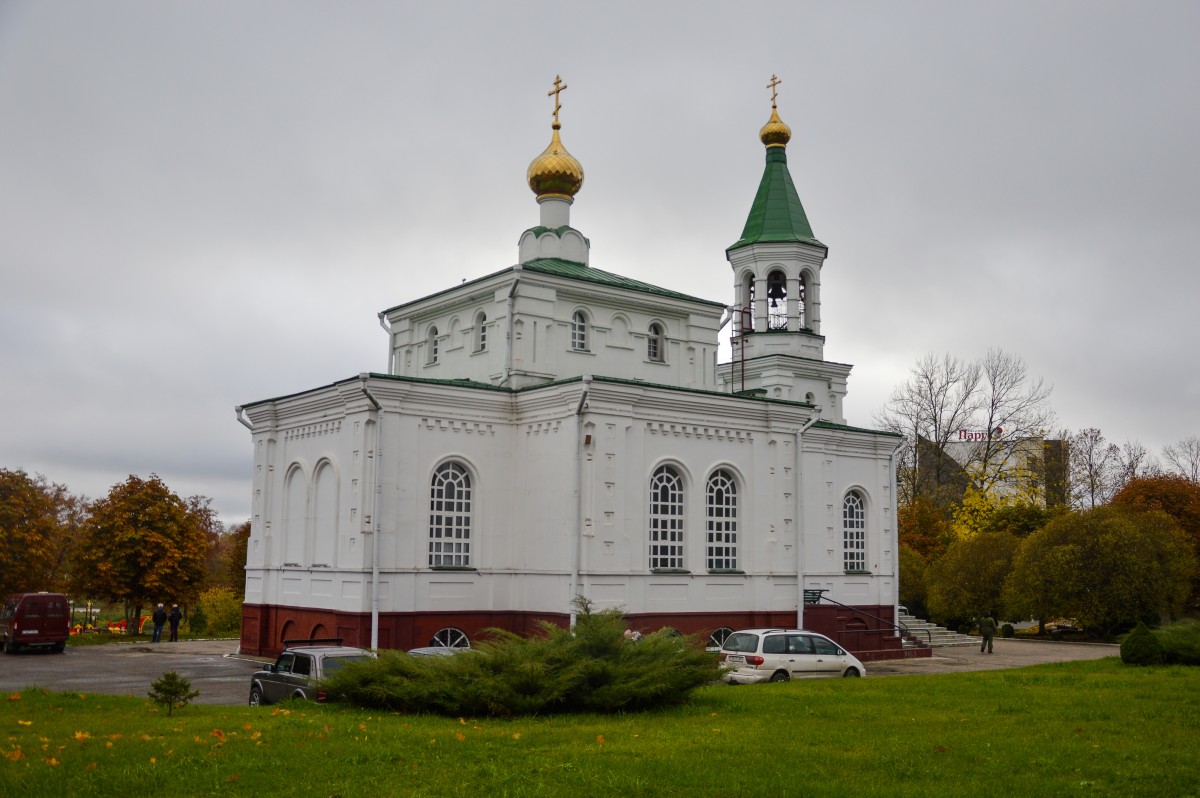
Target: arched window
x=654, y=343
x=854, y=532
x=480, y=332
x=721, y=504
x=802, y=301
x=776, y=301
x=450, y=638
x=450, y=516
x=666, y=518
x=433, y=345
x=579, y=331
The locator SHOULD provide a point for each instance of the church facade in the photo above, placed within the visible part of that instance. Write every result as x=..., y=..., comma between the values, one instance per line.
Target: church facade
x=552, y=430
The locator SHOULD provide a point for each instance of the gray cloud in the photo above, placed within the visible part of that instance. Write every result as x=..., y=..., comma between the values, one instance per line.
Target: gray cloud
x=206, y=205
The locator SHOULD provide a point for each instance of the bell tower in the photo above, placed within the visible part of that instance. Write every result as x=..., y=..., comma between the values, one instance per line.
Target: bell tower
x=777, y=345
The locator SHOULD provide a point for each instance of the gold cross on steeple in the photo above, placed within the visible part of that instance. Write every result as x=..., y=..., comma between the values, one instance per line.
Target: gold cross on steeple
x=774, y=82
x=558, y=89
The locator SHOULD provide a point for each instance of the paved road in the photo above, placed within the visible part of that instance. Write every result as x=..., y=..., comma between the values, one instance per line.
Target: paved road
x=129, y=668
x=223, y=677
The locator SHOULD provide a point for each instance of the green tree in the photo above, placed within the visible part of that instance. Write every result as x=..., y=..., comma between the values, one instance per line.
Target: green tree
x=1176, y=496
x=143, y=544
x=1108, y=567
x=913, y=594
x=37, y=519
x=966, y=581
x=228, y=565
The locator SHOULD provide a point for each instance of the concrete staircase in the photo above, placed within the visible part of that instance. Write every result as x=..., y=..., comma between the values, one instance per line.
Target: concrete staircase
x=938, y=636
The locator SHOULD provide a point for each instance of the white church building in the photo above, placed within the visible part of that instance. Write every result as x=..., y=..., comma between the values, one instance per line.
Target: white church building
x=553, y=430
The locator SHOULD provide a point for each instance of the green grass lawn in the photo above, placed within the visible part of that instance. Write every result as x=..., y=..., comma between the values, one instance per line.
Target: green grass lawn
x=1081, y=728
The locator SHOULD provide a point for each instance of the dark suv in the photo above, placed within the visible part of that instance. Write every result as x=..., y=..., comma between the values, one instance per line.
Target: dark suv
x=35, y=620
x=300, y=665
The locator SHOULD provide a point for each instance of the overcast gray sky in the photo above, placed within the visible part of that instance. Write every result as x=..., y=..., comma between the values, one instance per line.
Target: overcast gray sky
x=206, y=204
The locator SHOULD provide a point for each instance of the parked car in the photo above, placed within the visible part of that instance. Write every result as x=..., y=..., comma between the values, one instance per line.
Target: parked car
x=300, y=667
x=438, y=651
x=35, y=620
x=777, y=655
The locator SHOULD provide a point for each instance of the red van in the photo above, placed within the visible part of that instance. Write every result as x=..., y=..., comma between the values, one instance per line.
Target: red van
x=35, y=619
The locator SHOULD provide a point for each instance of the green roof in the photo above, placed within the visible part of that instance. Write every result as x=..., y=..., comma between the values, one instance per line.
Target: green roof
x=581, y=271
x=776, y=215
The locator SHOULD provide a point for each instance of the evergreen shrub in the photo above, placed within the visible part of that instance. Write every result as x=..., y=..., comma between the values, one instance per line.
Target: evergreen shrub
x=1007, y=630
x=1141, y=647
x=592, y=668
x=1180, y=642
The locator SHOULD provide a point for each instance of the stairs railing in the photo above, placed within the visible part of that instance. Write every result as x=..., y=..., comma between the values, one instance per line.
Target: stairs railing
x=816, y=596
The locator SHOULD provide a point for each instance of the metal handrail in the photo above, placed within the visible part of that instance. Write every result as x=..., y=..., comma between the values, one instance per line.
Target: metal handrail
x=901, y=627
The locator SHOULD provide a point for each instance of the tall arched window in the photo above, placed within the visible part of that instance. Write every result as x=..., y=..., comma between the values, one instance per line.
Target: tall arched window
x=432, y=345
x=480, y=332
x=666, y=518
x=854, y=532
x=721, y=505
x=450, y=516
x=654, y=343
x=579, y=331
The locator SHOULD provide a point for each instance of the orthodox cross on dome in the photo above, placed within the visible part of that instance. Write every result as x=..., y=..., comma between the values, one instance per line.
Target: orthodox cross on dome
x=558, y=89
x=774, y=93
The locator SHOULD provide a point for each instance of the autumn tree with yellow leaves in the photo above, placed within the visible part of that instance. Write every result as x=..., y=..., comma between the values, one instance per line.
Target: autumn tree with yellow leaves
x=144, y=544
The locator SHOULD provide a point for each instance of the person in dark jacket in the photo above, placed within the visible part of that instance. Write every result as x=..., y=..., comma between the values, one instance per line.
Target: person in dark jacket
x=987, y=628
x=174, y=618
x=158, y=619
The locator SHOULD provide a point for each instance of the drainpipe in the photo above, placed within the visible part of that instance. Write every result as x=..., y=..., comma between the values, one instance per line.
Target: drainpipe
x=508, y=353
x=800, y=515
x=895, y=537
x=375, y=468
x=391, y=343
x=576, y=546
x=242, y=419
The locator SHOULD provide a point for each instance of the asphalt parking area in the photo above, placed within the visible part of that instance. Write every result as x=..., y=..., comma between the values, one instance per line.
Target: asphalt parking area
x=223, y=677
x=212, y=666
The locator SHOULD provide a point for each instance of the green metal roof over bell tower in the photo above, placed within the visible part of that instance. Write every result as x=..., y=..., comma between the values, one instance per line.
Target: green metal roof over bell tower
x=777, y=214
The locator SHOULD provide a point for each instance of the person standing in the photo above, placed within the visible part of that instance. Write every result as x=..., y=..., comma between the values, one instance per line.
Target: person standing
x=174, y=618
x=987, y=628
x=158, y=619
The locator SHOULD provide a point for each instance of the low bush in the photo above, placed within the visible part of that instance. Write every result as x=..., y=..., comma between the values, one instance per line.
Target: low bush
x=1007, y=630
x=592, y=668
x=1180, y=642
x=1141, y=647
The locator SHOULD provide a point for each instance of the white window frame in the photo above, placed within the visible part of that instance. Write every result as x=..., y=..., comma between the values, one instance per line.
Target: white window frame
x=656, y=340
x=854, y=532
x=433, y=345
x=481, y=332
x=667, y=521
x=720, y=505
x=450, y=516
x=579, y=331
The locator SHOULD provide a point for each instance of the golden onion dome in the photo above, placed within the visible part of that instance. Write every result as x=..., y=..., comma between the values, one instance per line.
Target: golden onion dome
x=555, y=173
x=775, y=133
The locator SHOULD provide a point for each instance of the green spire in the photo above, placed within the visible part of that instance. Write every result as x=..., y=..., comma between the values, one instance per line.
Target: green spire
x=777, y=215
